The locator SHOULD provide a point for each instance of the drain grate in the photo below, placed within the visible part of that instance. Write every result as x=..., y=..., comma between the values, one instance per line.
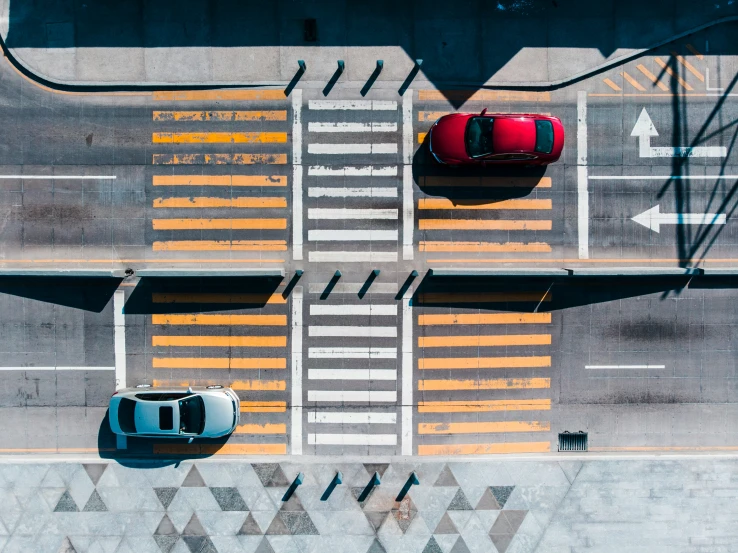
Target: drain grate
x=573, y=441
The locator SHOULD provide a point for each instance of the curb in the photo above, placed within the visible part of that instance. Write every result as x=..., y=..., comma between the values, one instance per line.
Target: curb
x=66, y=86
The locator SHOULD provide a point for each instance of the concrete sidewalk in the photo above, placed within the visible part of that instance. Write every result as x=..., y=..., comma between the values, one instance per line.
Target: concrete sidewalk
x=662, y=505
x=476, y=43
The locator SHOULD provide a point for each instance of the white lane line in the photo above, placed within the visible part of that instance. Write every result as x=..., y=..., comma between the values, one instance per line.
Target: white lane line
x=352, y=439
x=339, y=213
x=353, y=396
x=408, y=212
x=352, y=374
x=332, y=417
x=297, y=173
x=352, y=127
x=336, y=149
x=374, y=192
x=582, y=191
x=296, y=366
x=365, y=171
x=663, y=177
x=119, y=337
x=356, y=331
x=407, y=127
x=372, y=310
x=352, y=353
x=64, y=368
x=375, y=105
x=352, y=235
x=59, y=177
x=407, y=373
x=605, y=367
x=352, y=257
x=354, y=288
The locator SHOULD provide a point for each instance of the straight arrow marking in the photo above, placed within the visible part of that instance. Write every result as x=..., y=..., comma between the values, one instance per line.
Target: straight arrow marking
x=644, y=129
x=653, y=219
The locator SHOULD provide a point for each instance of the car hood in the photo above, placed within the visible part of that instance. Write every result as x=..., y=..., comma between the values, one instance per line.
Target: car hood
x=447, y=137
x=219, y=413
x=146, y=416
x=510, y=135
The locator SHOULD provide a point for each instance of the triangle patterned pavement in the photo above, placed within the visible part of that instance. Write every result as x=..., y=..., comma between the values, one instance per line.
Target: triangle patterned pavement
x=460, y=546
x=376, y=518
x=371, y=468
x=278, y=479
x=95, y=471
x=404, y=513
x=376, y=547
x=299, y=523
x=264, y=472
x=66, y=546
x=446, y=526
x=193, y=479
x=501, y=541
x=194, y=527
x=488, y=502
x=264, y=546
x=278, y=527
x=165, y=495
x=166, y=543
x=250, y=527
x=460, y=502
x=292, y=504
x=446, y=478
x=166, y=528
x=432, y=546
x=229, y=499
x=502, y=494
x=66, y=504
x=95, y=504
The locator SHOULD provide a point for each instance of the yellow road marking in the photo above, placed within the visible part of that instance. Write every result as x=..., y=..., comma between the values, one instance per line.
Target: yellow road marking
x=220, y=245
x=259, y=385
x=695, y=52
x=691, y=68
x=635, y=84
x=484, y=341
x=445, y=203
x=219, y=159
x=220, y=320
x=463, y=406
x=440, y=428
x=485, y=449
x=279, y=115
x=482, y=224
x=482, y=319
x=485, y=95
x=671, y=72
x=199, y=202
x=220, y=449
x=653, y=78
x=219, y=363
x=483, y=384
x=514, y=247
x=176, y=297
x=266, y=428
x=611, y=84
x=482, y=297
x=219, y=224
x=463, y=363
x=263, y=406
x=424, y=116
x=492, y=182
x=219, y=137
x=421, y=137
x=198, y=95
x=219, y=180
x=219, y=341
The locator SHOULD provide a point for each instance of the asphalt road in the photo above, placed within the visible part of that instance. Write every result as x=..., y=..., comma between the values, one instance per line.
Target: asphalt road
x=369, y=364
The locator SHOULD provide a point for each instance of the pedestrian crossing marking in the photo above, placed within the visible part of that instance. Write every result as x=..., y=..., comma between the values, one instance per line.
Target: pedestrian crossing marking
x=485, y=449
x=492, y=247
x=493, y=182
x=219, y=159
x=220, y=320
x=484, y=224
x=484, y=341
x=446, y=428
x=484, y=319
x=265, y=428
x=218, y=95
x=223, y=245
x=484, y=96
x=219, y=363
x=221, y=224
x=465, y=363
x=446, y=203
x=201, y=116
x=259, y=385
x=471, y=406
x=219, y=341
x=219, y=180
x=261, y=202
x=484, y=384
x=263, y=406
x=219, y=137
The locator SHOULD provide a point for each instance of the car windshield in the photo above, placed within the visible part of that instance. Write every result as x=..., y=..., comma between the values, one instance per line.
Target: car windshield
x=544, y=136
x=479, y=136
x=126, y=420
x=191, y=415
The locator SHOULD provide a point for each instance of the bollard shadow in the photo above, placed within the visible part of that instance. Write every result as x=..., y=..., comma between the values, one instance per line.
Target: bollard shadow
x=409, y=80
x=332, y=82
x=85, y=293
x=367, y=284
x=293, y=83
x=183, y=295
x=372, y=78
x=330, y=286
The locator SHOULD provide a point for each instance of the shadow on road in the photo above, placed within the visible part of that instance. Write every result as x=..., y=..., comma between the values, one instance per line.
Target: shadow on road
x=86, y=293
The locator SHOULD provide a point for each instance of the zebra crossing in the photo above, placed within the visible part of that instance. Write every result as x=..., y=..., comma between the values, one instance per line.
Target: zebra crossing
x=353, y=181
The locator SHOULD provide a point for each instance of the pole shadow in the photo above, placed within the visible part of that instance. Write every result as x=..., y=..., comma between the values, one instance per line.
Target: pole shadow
x=372, y=78
x=296, y=79
x=334, y=78
x=331, y=285
x=369, y=281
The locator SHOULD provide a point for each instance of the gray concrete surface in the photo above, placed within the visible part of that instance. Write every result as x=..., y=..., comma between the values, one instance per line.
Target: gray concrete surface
x=663, y=505
x=510, y=41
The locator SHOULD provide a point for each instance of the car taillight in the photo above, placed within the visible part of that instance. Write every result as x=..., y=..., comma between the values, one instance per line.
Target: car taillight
x=115, y=394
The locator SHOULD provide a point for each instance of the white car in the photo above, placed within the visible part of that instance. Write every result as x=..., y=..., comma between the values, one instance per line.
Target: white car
x=194, y=412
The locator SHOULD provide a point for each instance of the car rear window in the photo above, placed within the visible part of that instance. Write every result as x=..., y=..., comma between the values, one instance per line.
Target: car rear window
x=544, y=136
x=166, y=417
x=126, y=420
x=479, y=136
x=191, y=415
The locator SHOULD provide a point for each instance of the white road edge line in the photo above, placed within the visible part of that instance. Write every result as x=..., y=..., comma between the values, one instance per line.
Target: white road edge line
x=356, y=309
x=582, y=192
x=334, y=235
x=365, y=171
x=352, y=374
x=407, y=373
x=332, y=417
x=361, y=192
x=354, y=396
x=605, y=367
x=119, y=336
x=296, y=366
x=352, y=257
x=408, y=203
x=321, y=331
x=343, y=148
x=297, y=191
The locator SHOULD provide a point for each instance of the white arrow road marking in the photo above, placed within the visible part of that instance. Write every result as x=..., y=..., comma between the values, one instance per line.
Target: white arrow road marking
x=652, y=218
x=644, y=130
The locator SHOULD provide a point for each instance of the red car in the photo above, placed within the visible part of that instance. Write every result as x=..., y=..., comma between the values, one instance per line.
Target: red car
x=486, y=139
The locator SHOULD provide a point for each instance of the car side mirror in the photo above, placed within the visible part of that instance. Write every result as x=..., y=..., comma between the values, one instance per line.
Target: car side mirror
x=190, y=440
x=484, y=112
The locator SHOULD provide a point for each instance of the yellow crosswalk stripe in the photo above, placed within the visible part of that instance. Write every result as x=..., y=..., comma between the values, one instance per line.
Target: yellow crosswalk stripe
x=484, y=449
x=263, y=406
x=464, y=406
x=612, y=85
x=219, y=449
x=691, y=68
x=464, y=363
x=220, y=320
x=219, y=341
x=219, y=137
x=219, y=363
x=483, y=427
x=180, y=297
x=219, y=180
x=635, y=84
x=483, y=224
x=496, y=247
x=201, y=202
x=266, y=428
x=482, y=297
x=219, y=159
x=219, y=224
x=275, y=115
x=492, y=182
x=446, y=203
x=483, y=384
x=220, y=245
x=484, y=319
